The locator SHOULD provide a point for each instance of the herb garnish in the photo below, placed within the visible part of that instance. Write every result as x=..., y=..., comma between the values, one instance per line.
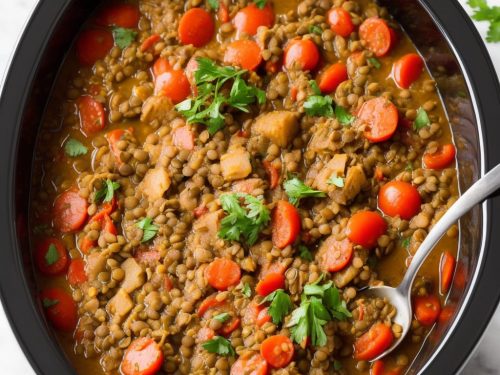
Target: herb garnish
x=243, y=221
x=74, y=148
x=375, y=62
x=148, y=228
x=280, y=306
x=305, y=254
x=214, y=4
x=317, y=104
x=107, y=192
x=315, y=29
x=484, y=12
x=344, y=117
x=246, y=291
x=222, y=317
x=206, y=107
x=123, y=37
x=422, y=120
x=47, y=302
x=260, y=3
x=52, y=255
x=219, y=345
x=297, y=189
x=336, y=181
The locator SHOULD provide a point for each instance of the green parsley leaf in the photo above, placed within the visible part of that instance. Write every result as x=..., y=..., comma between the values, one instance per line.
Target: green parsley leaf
x=317, y=104
x=296, y=190
x=337, y=365
x=246, y=291
x=422, y=119
x=219, y=345
x=375, y=62
x=243, y=222
x=319, y=304
x=405, y=242
x=123, y=37
x=47, y=302
x=336, y=180
x=214, y=4
x=52, y=255
x=107, y=192
x=305, y=253
x=491, y=14
x=315, y=29
x=409, y=166
x=148, y=228
x=211, y=100
x=260, y=3
x=222, y=317
x=344, y=117
x=280, y=306
x=74, y=148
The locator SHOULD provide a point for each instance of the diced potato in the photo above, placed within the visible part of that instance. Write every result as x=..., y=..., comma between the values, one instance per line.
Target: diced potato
x=278, y=126
x=248, y=186
x=120, y=305
x=235, y=164
x=354, y=181
x=205, y=230
x=134, y=275
x=156, y=108
x=344, y=277
x=155, y=183
x=336, y=166
x=96, y=262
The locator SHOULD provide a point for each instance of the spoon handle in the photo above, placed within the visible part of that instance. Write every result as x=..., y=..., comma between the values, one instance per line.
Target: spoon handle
x=478, y=192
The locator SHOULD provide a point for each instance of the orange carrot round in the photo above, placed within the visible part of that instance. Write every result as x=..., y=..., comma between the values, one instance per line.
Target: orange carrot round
x=196, y=27
x=223, y=273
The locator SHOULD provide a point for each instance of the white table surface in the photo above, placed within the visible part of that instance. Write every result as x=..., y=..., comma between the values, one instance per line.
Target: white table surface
x=13, y=15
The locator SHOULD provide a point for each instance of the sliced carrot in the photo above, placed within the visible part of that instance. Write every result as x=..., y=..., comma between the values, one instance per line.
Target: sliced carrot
x=76, y=272
x=376, y=35
x=378, y=174
x=332, y=77
x=106, y=209
x=191, y=68
x=243, y=53
x=380, y=117
x=373, y=343
x=200, y=211
x=407, y=70
x=277, y=350
x=183, y=138
x=301, y=54
x=273, y=174
x=149, y=42
x=365, y=227
x=86, y=244
x=223, y=273
x=270, y=283
x=442, y=158
x=108, y=225
x=446, y=270
x=51, y=257
x=143, y=357
x=228, y=328
x=207, y=304
x=275, y=267
x=69, y=211
x=427, y=309
x=285, y=224
x=60, y=309
x=338, y=255
x=93, y=45
x=446, y=314
x=340, y=22
x=205, y=334
x=92, y=115
x=168, y=284
x=122, y=15
x=161, y=66
x=399, y=198
x=377, y=368
x=196, y=27
x=223, y=13
x=273, y=67
x=263, y=317
x=113, y=137
x=174, y=85
x=294, y=91
x=249, y=364
x=248, y=19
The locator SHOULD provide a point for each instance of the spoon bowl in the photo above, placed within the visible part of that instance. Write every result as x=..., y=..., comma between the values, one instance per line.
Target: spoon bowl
x=400, y=297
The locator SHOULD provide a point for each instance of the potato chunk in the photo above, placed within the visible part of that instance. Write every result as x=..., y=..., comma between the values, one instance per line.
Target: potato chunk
x=235, y=164
x=335, y=167
x=134, y=275
x=120, y=304
x=155, y=183
x=278, y=126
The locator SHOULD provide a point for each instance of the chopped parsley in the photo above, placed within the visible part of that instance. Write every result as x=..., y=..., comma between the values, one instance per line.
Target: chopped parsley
x=422, y=120
x=491, y=14
x=214, y=4
x=47, y=302
x=280, y=306
x=305, y=254
x=320, y=304
x=246, y=291
x=219, y=345
x=296, y=190
x=222, y=317
x=107, y=192
x=375, y=62
x=317, y=104
x=336, y=181
x=207, y=106
x=409, y=167
x=260, y=3
x=405, y=242
x=123, y=37
x=315, y=29
x=243, y=222
x=344, y=117
x=52, y=255
x=148, y=228
x=74, y=148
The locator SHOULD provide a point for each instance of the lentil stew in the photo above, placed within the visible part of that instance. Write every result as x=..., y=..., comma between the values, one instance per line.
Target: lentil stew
x=215, y=180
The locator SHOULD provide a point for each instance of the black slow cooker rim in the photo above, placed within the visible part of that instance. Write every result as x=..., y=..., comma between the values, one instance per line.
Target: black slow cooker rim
x=42, y=351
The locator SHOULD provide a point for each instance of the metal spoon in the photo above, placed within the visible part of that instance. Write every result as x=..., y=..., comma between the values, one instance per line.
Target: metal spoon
x=400, y=297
